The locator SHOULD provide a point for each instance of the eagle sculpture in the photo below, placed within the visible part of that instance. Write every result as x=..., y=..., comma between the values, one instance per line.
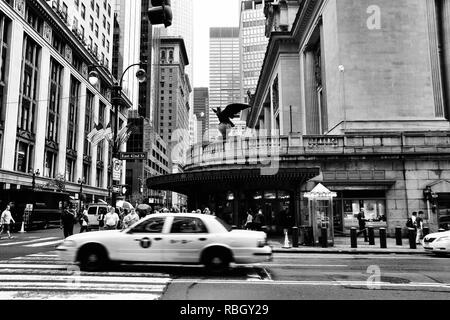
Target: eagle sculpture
x=230, y=112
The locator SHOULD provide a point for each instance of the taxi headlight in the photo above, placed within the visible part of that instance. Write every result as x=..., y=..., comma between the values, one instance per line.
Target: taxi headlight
x=261, y=243
x=69, y=244
x=443, y=239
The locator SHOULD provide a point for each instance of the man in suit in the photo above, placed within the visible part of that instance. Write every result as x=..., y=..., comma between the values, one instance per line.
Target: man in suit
x=362, y=224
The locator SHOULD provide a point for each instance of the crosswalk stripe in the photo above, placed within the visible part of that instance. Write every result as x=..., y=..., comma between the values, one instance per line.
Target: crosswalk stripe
x=28, y=241
x=64, y=295
x=4, y=278
x=43, y=244
x=32, y=266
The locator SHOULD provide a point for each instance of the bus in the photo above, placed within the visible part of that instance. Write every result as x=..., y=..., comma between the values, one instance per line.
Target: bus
x=37, y=209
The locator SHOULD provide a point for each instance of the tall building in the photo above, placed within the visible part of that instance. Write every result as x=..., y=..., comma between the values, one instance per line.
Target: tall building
x=127, y=29
x=224, y=73
x=48, y=107
x=201, y=111
x=253, y=43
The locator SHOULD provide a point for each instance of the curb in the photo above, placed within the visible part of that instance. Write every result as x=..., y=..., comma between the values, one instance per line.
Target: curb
x=350, y=251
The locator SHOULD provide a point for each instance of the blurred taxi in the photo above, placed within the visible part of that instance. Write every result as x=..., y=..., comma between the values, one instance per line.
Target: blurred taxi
x=184, y=238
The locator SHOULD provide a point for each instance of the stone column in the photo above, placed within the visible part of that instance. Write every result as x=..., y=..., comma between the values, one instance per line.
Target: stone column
x=436, y=74
x=107, y=160
x=12, y=97
x=446, y=53
x=94, y=148
x=41, y=110
x=311, y=102
x=80, y=132
x=64, y=119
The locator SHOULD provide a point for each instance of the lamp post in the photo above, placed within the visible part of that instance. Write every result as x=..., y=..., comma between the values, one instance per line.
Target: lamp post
x=34, y=173
x=81, y=182
x=116, y=100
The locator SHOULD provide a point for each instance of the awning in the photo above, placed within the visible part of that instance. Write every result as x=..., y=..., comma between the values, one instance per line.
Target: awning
x=188, y=182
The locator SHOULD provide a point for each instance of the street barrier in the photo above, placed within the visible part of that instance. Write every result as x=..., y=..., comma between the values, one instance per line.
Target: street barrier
x=412, y=238
x=371, y=236
x=398, y=236
x=353, y=237
x=383, y=238
x=324, y=237
x=295, y=237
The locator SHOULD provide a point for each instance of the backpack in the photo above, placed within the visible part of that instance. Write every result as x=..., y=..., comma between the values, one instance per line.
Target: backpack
x=409, y=223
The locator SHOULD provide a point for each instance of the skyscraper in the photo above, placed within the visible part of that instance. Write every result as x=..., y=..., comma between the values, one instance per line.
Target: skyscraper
x=253, y=43
x=224, y=73
x=201, y=111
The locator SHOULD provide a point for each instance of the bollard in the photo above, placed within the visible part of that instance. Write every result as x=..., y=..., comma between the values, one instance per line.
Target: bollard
x=398, y=236
x=426, y=231
x=324, y=237
x=295, y=237
x=371, y=236
x=412, y=238
x=383, y=238
x=353, y=237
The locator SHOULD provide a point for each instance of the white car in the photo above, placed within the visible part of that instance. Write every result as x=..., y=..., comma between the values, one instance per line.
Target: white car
x=183, y=238
x=438, y=243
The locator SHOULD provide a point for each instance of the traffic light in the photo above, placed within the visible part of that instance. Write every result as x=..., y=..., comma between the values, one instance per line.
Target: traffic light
x=160, y=12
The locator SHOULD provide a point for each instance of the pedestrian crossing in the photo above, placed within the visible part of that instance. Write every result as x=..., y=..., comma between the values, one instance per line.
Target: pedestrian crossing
x=31, y=243
x=44, y=276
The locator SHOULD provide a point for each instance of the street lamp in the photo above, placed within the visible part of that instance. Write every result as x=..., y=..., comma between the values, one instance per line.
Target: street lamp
x=116, y=100
x=34, y=173
x=81, y=182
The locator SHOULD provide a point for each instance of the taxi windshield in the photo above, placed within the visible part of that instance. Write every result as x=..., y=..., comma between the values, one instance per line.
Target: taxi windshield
x=226, y=225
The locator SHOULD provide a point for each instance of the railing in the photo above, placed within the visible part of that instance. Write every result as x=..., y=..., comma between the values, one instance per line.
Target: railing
x=244, y=150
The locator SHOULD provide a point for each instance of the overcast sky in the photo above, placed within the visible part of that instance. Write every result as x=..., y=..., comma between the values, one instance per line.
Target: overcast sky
x=210, y=13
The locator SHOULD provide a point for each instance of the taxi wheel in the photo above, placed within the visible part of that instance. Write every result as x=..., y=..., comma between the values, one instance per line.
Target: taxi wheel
x=217, y=261
x=93, y=259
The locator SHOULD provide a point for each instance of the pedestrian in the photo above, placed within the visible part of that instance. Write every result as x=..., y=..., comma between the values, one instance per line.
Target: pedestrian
x=6, y=219
x=84, y=220
x=68, y=220
x=415, y=223
x=362, y=224
x=419, y=224
x=198, y=211
x=111, y=219
x=259, y=220
x=130, y=219
x=206, y=211
x=249, y=222
x=101, y=218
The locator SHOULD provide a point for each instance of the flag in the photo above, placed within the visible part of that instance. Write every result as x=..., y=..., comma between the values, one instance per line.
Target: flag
x=123, y=132
x=92, y=133
x=108, y=132
x=127, y=134
x=99, y=136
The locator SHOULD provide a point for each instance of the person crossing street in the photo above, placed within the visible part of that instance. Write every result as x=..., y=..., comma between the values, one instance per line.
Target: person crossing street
x=6, y=219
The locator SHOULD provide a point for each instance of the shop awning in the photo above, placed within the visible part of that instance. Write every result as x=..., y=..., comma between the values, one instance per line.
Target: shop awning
x=187, y=182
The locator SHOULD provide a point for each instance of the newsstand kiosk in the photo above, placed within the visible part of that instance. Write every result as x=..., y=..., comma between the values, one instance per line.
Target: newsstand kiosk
x=320, y=206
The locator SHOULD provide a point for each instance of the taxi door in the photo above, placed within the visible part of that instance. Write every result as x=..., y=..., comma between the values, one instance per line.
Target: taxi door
x=185, y=240
x=144, y=243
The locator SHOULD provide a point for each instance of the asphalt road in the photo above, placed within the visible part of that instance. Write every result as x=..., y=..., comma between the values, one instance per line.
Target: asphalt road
x=31, y=269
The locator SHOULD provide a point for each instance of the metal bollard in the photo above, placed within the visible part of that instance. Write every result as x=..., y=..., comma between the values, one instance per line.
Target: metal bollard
x=371, y=236
x=295, y=237
x=398, y=236
x=426, y=231
x=353, y=241
x=324, y=237
x=412, y=238
x=383, y=238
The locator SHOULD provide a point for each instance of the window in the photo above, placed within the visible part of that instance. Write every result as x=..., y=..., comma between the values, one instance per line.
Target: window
x=88, y=121
x=109, y=10
x=54, y=103
x=104, y=4
x=91, y=23
x=188, y=225
x=107, y=46
x=103, y=40
x=4, y=57
x=154, y=225
x=104, y=21
x=108, y=28
x=73, y=113
x=96, y=30
x=83, y=11
x=92, y=4
x=97, y=11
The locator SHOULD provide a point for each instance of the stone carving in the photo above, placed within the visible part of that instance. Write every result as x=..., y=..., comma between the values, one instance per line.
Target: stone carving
x=20, y=7
x=47, y=32
x=84, y=70
x=68, y=54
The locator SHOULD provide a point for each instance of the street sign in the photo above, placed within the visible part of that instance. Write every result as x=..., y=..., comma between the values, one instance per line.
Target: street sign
x=117, y=168
x=133, y=156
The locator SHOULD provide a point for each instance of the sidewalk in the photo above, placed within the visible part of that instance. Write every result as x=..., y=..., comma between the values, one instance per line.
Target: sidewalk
x=342, y=245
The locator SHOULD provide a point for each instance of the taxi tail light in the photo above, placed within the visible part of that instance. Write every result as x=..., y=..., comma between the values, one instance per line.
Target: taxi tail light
x=261, y=243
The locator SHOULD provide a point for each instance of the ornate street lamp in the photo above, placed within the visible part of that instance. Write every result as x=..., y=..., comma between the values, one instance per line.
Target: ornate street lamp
x=81, y=182
x=116, y=100
x=34, y=173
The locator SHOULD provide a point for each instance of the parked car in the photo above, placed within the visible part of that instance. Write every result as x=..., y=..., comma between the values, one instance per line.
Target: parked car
x=438, y=243
x=168, y=238
x=444, y=222
x=94, y=211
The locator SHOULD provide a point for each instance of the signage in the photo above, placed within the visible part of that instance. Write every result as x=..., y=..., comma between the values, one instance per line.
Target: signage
x=116, y=189
x=133, y=156
x=117, y=169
